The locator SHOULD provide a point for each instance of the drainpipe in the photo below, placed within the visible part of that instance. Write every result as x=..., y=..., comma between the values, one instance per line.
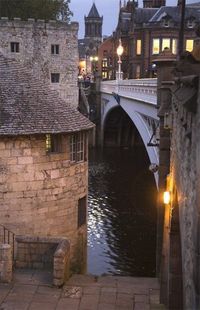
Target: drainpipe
x=181, y=5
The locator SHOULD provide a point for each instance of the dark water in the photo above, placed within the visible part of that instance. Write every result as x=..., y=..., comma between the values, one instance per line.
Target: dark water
x=122, y=213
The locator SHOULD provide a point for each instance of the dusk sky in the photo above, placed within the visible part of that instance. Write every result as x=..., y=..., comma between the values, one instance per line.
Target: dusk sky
x=108, y=8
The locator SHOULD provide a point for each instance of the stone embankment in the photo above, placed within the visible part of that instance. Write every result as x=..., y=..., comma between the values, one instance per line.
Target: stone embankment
x=31, y=290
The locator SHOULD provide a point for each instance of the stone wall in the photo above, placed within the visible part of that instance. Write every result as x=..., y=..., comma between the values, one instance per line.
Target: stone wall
x=5, y=263
x=35, y=40
x=180, y=272
x=39, y=192
x=184, y=176
x=44, y=253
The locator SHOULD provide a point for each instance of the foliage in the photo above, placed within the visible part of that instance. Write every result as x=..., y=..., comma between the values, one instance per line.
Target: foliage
x=38, y=9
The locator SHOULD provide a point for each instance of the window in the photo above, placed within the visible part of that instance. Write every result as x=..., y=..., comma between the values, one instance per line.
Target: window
x=138, y=47
x=82, y=211
x=53, y=143
x=156, y=46
x=138, y=70
x=78, y=147
x=54, y=49
x=104, y=62
x=104, y=74
x=165, y=43
x=174, y=46
x=189, y=45
x=14, y=47
x=190, y=23
x=166, y=23
x=55, y=77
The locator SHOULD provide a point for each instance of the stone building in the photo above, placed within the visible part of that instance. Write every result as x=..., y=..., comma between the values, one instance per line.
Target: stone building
x=49, y=50
x=179, y=174
x=43, y=160
x=88, y=47
x=147, y=31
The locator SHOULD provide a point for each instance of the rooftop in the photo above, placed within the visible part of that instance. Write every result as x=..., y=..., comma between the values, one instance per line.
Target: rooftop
x=93, y=12
x=29, y=106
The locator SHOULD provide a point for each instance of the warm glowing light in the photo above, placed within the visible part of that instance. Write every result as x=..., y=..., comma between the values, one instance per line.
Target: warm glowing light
x=94, y=58
x=166, y=198
x=120, y=48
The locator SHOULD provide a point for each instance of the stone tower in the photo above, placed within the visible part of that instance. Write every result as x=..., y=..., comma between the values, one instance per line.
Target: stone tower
x=93, y=25
x=153, y=3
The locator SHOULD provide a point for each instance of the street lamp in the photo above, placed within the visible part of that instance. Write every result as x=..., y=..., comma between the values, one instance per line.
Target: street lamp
x=94, y=60
x=120, y=50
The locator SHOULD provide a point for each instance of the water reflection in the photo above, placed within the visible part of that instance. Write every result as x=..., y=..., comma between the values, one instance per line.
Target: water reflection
x=121, y=213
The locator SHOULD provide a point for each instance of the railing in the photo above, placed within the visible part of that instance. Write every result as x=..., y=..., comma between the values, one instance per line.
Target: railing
x=7, y=236
x=140, y=89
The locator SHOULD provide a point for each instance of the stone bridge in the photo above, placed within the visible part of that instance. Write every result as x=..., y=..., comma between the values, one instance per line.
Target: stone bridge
x=138, y=98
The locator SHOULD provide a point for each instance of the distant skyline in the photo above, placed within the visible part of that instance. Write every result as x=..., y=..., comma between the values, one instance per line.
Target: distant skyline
x=108, y=8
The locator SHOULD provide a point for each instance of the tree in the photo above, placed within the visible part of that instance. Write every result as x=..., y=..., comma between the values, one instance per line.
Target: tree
x=38, y=9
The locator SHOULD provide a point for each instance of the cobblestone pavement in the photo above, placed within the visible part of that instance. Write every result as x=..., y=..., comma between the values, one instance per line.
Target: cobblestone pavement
x=31, y=290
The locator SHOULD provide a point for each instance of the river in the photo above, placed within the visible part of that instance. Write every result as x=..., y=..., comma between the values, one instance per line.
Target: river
x=121, y=213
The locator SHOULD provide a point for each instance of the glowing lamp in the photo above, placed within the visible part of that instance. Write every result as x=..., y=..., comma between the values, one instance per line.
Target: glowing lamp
x=166, y=198
x=120, y=48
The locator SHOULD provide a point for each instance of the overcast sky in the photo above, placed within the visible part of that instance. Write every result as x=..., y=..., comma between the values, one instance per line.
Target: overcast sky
x=108, y=8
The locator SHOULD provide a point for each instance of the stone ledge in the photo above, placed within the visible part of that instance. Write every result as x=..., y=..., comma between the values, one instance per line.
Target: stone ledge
x=32, y=254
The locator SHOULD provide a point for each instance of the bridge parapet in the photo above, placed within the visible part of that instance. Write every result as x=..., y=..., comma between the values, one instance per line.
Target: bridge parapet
x=144, y=90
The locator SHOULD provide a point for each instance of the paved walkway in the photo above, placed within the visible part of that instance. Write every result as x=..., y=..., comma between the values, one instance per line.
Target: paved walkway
x=31, y=290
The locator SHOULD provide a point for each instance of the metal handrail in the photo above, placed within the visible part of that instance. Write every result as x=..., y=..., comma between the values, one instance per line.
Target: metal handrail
x=8, y=237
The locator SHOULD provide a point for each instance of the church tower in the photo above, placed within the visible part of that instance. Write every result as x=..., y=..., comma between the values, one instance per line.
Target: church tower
x=93, y=25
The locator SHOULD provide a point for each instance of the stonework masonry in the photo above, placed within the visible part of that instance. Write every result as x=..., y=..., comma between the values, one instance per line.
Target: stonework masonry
x=184, y=176
x=35, y=40
x=180, y=276
x=39, y=191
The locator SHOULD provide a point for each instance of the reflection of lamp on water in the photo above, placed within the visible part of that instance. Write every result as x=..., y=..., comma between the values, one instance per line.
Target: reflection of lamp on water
x=120, y=50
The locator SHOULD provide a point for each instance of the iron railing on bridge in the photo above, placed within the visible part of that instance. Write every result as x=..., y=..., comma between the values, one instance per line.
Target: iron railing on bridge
x=7, y=236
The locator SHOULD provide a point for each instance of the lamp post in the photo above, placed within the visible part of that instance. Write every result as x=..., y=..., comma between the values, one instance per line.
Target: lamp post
x=120, y=50
x=94, y=60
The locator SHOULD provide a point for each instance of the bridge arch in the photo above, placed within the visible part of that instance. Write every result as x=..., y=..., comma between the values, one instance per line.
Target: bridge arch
x=139, y=113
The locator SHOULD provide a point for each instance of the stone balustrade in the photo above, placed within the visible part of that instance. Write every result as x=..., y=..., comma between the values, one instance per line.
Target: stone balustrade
x=144, y=90
x=44, y=253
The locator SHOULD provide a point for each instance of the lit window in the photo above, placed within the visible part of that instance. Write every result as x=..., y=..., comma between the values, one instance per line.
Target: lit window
x=82, y=214
x=14, y=47
x=104, y=62
x=156, y=46
x=165, y=44
x=189, y=45
x=174, y=46
x=138, y=47
x=138, y=70
x=54, y=49
x=53, y=143
x=104, y=75
x=78, y=147
x=55, y=77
